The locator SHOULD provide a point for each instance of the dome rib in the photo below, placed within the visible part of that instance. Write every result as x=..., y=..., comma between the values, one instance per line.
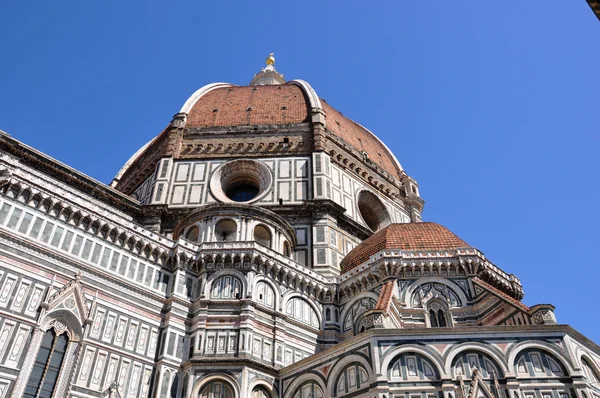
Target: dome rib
x=362, y=140
x=189, y=104
x=288, y=104
x=313, y=98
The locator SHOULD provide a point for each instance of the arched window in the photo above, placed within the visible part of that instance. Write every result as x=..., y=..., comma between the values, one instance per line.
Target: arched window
x=309, y=390
x=47, y=365
x=260, y=392
x=265, y=294
x=226, y=287
x=165, y=383
x=437, y=290
x=287, y=249
x=352, y=378
x=174, y=386
x=217, y=389
x=299, y=309
x=466, y=362
x=262, y=235
x=412, y=366
x=184, y=390
x=225, y=231
x=351, y=319
x=438, y=315
x=590, y=374
x=192, y=234
x=536, y=363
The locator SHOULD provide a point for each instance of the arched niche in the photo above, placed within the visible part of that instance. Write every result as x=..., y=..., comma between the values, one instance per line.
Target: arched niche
x=466, y=362
x=433, y=287
x=264, y=387
x=262, y=235
x=261, y=392
x=226, y=230
x=301, y=310
x=226, y=287
x=535, y=363
x=213, y=214
x=309, y=389
x=192, y=233
x=351, y=378
x=490, y=351
x=412, y=367
x=200, y=386
x=265, y=294
x=217, y=388
x=352, y=315
x=589, y=371
x=64, y=321
x=287, y=249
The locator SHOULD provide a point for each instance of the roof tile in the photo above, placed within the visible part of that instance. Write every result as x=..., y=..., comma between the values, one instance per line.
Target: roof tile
x=407, y=236
x=361, y=139
x=385, y=297
x=500, y=293
x=250, y=105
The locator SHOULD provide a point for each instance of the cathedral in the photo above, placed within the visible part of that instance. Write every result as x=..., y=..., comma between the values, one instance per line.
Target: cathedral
x=263, y=245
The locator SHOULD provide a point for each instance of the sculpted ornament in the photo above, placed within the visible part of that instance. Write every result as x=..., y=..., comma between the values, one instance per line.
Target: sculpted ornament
x=69, y=303
x=59, y=327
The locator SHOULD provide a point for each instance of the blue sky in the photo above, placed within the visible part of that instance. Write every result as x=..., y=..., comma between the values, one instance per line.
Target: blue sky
x=491, y=106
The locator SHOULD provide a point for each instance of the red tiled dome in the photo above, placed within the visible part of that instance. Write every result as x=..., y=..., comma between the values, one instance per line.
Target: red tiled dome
x=226, y=105
x=408, y=236
x=250, y=105
x=282, y=104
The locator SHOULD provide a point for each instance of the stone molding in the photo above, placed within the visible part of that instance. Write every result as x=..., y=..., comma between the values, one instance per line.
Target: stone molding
x=152, y=247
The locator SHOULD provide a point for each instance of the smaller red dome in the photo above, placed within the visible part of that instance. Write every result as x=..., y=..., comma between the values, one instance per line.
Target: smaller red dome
x=407, y=236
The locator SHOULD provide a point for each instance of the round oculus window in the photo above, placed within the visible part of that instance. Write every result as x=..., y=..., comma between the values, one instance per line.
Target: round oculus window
x=241, y=180
x=372, y=211
x=242, y=192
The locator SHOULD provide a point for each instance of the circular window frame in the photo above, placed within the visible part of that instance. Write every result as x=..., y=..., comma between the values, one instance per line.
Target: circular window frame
x=382, y=221
x=233, y=171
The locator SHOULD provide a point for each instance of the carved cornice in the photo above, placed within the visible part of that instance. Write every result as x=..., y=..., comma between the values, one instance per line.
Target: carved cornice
x=145, y=165
x=251, y=256
x=71, y=210
x=347, y=157
x=219, y=209
x=67, y=175
x=96, y=276
x=418, y=263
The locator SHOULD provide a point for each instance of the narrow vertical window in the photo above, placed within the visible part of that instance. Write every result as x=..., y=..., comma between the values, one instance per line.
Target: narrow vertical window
x=433, y=319
x=441, y=319
x=46, y=368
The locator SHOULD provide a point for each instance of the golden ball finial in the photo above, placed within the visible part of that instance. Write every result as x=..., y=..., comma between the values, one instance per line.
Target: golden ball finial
x=270, y=59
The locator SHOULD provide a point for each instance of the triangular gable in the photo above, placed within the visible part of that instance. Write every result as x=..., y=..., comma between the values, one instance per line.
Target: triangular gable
x=486, y=287
x=478, y=388
x=69, y=297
